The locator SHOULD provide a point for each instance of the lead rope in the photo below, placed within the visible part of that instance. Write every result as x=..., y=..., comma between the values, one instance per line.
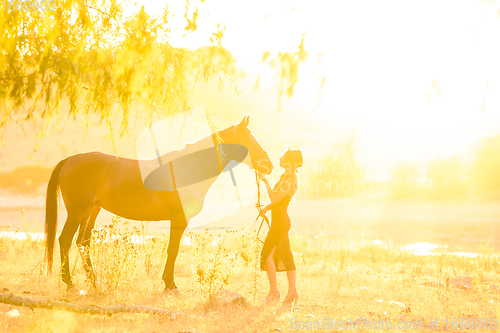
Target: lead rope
x=259, y=208
x=264, y=218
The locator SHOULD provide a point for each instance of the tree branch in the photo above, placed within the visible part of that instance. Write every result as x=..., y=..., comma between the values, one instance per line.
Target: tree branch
x=81, y=308
x=23, y=76
x=98, y=10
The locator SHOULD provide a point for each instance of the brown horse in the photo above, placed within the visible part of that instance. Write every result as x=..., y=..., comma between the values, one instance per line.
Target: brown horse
x=91, y=181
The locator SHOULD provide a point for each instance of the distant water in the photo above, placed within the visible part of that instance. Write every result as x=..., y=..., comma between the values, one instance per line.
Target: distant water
x=453, y=228
x=420, y=249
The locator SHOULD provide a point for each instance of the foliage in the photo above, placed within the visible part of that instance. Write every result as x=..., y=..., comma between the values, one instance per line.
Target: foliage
x=484, y=173
x=447, y=177
x=214, y=262
x=88, y=55
x=153, y=257
x=114, y=254
x=337, y=173
x=286, y=65
x=404, y=181
x=452, y=178
x=355, y=282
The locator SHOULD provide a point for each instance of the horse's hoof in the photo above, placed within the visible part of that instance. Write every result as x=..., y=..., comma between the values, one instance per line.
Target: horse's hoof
x=75, y=292
x=172, y=291
x=98, y=287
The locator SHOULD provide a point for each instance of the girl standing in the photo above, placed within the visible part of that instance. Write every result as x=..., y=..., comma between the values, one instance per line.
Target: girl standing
x=276, y=254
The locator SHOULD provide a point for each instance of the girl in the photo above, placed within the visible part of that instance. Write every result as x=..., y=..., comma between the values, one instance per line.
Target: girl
x=276, y=255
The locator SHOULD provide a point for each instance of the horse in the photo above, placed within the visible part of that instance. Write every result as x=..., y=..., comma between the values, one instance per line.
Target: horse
x=93, y=181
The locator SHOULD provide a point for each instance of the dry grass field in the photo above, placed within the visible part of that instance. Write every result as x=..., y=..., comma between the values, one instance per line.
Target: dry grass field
x=380, y=283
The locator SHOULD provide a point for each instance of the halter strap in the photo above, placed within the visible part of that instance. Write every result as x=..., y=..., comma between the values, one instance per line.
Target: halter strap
x=172, y=173
x=214, y=138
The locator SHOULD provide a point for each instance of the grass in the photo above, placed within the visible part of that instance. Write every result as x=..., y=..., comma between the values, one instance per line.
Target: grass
x=375, y=282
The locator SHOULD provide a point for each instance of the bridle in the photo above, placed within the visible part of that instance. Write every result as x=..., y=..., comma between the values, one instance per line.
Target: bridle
x=259, y=208
x=258, y=205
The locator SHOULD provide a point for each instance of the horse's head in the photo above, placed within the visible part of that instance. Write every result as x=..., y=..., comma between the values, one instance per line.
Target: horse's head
x=240, y=134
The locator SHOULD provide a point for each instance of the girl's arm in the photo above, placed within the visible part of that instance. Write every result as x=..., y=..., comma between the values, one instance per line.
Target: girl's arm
x=265, y=209
x=285, y=188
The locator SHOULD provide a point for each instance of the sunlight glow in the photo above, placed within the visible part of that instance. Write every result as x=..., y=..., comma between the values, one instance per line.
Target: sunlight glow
x=415, y=80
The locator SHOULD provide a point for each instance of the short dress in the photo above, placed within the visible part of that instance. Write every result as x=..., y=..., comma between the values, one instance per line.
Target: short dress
x=278, y=237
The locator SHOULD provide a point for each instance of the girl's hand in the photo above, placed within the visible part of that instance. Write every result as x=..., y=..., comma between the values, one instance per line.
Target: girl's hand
x=262, y=177
x=263, y=212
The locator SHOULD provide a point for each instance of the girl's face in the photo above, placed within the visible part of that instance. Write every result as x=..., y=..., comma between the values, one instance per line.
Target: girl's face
x=283, y=162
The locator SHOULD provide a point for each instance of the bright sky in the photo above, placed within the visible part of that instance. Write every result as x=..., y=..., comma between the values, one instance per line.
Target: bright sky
x=416, y=79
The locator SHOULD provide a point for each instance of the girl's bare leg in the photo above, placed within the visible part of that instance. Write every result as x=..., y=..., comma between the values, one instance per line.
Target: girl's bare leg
x=292, y=286
x=274, y=293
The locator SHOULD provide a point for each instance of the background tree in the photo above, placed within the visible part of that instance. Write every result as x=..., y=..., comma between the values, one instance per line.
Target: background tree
x=89, y=56
x=485, y=170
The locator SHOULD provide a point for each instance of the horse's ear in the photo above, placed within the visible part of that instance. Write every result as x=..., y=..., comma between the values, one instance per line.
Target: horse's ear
x=244, y=122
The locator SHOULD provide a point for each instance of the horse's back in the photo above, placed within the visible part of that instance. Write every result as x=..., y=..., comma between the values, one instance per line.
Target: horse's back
x=90, y=164
x=115, y=184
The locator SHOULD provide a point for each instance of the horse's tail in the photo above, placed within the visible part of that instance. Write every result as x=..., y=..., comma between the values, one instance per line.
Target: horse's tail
x=51, y=214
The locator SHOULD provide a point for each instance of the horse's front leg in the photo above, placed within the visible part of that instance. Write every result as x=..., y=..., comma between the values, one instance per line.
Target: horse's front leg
x=177, y=227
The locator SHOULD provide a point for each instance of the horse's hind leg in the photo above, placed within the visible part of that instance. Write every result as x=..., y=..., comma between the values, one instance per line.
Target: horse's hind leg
x=65, y=239
x=83, y=242
x=177, y=227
